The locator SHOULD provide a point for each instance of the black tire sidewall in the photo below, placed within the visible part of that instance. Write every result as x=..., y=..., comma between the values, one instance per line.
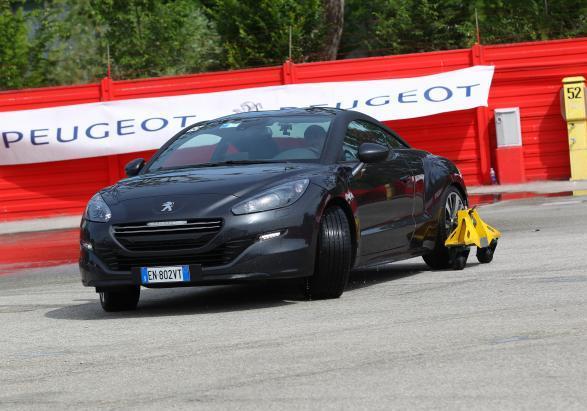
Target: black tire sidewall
x=333, y=256
x=120, y=299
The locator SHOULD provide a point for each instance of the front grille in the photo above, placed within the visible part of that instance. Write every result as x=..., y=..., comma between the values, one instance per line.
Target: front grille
x=220, y=255
x=186, y=235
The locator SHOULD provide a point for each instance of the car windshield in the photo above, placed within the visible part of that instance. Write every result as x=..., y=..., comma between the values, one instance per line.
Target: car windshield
x=247, y=141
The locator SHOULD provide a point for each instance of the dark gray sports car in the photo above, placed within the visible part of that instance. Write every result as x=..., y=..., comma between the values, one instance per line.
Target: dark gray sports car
x=309, y=193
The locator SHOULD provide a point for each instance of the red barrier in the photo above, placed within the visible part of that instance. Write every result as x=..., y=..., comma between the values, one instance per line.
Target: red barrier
x=36, y=250
x=528, y=75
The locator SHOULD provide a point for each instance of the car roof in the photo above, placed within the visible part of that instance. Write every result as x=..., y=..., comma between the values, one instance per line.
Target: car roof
x=289, y=111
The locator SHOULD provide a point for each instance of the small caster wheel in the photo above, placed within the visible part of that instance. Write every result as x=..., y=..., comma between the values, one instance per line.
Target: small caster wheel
x=459, y=258
x=485, y=254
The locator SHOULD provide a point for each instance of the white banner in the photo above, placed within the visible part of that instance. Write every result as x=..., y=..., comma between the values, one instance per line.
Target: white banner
x=115, y=127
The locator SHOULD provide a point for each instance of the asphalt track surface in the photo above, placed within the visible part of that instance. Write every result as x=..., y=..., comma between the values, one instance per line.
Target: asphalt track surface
x=508, y=335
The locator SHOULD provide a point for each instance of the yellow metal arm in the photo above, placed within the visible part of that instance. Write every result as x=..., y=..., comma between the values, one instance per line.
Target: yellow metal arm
x=471, y=230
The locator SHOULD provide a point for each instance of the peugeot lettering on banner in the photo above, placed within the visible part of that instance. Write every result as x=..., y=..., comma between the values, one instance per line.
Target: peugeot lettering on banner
x=126, y=126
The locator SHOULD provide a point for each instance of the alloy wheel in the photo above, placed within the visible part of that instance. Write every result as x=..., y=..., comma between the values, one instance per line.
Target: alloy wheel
x=454, y=203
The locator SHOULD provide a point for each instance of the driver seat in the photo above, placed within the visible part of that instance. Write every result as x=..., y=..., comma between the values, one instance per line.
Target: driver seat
x=260, y=143
x=314, y=136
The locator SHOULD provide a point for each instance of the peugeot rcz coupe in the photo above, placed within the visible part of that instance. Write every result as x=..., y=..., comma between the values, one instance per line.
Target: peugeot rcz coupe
x=295, y=193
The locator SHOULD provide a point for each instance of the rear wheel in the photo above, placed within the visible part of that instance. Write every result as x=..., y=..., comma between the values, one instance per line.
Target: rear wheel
x=333, y=258
x=120, y=299
x=441, y=257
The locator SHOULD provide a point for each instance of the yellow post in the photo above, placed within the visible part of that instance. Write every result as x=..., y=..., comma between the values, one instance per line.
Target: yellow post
x=575, y=112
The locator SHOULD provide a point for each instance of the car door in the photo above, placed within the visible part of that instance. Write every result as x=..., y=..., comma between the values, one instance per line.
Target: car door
x=383, y=191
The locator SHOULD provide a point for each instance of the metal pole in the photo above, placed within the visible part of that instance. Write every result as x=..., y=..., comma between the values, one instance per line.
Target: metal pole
x=289, y=42
x=108, y=59
x=477, y=26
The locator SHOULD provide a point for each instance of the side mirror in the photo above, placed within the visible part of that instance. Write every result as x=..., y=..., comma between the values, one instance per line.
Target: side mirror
x=134, y=167
x=372, y=153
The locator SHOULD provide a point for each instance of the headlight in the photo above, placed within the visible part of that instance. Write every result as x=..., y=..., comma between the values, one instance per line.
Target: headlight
x=97, y=210
x=277, y=197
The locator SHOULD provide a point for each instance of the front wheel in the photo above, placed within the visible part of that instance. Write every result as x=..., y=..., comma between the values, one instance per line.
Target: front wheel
x=333, y=258
x=441, y=257
x=120, y=299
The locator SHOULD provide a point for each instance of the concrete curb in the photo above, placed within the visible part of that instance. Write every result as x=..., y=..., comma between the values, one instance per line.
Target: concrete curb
x=540, y=187
x=40, y=224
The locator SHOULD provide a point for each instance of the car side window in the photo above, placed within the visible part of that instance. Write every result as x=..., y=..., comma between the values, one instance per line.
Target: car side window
x=395, y=141
x=390, y=139
x=359, y=132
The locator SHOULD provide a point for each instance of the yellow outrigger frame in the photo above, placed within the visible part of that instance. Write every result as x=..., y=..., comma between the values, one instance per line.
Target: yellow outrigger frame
x=471, y=230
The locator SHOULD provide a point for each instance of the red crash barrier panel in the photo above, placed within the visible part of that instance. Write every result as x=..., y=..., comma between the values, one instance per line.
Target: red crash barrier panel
x=35, y=250
x=527, y=75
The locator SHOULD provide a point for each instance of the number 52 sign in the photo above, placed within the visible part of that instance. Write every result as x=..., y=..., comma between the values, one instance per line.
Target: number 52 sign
x=573, y=93
x=573, y=102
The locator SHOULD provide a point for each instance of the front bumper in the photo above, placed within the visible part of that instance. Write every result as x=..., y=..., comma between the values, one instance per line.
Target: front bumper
x=290, y=255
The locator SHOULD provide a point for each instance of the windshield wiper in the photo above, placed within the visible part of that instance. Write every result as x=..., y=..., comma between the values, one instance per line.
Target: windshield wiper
x=230, y=162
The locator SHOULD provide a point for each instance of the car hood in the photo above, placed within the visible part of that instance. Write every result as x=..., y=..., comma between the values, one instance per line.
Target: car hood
x=209, y=182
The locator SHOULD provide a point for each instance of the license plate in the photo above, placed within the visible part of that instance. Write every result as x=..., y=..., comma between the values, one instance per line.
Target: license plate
x=155, y=275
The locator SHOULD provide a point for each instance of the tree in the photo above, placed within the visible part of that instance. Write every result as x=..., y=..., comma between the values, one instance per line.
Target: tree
x=154, y=38
x=51, y=42
x=407, y=26
x=66, y=41
x=14, y=46
x=334, y=17
x=48, y=51
x=256, y=33
x=522, y=20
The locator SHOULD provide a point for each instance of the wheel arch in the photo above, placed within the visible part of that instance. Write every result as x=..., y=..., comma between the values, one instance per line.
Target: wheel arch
x=462, y=191
x=460, y=187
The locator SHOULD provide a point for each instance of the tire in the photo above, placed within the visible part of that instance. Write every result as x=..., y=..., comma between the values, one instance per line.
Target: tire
x=120, y=299
x=333, y=256
x=485, y=255
x=440, y=257
x=458, y=258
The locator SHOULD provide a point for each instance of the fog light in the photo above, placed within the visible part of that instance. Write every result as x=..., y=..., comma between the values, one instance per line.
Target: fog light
x=86, y=245
x=269, y=236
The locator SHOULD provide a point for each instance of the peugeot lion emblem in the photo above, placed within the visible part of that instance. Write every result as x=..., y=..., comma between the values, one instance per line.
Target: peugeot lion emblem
x=167, y=206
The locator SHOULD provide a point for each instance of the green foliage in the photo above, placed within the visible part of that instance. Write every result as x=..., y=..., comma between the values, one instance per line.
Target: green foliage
x=154, y=38
x=256, y=33
x=66, y=41
x=382, y=27
x=423, y=25
x=408, y=26
x=51, y=42
x=14, y=47
x=46, y=50
x=520, y=20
